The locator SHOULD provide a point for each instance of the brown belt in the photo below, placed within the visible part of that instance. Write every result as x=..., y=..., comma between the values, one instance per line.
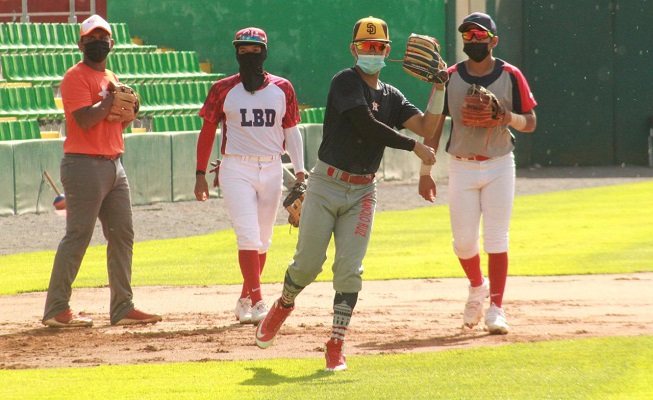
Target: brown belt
x=349, y=178
x=475, y=158
x=99, y=156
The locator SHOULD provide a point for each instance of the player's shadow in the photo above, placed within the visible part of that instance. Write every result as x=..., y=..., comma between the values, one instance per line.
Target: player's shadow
x=437, y=341
x=265, y=377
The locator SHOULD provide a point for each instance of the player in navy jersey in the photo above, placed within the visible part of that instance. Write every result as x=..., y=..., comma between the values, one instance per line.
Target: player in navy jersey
x=258, y=115
x=362, y=113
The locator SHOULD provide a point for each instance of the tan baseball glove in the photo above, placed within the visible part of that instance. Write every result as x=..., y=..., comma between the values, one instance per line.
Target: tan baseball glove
x=293, y=203
x=125, y=104
x=481, y=108
x=422, y=59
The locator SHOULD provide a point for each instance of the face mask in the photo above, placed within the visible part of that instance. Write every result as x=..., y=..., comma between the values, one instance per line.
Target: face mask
x=251, y=69
x=476, y=51
x=370, y=64
x=97, y=50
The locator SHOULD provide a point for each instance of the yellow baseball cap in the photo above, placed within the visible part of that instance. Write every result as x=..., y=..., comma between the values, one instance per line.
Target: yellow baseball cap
x=371, y=29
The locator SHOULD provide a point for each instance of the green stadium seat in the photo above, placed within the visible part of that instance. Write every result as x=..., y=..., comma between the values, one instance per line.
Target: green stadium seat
x=5, y=131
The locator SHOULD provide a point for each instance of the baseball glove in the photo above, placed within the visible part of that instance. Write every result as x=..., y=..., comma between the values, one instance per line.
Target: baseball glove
x=293, y=203
x=423, y=61
x=481, y=108
x=125, y=103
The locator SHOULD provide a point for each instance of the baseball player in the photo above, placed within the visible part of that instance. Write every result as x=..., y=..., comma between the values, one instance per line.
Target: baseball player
x=258, y=113
x=481, y=166
x=361, y=113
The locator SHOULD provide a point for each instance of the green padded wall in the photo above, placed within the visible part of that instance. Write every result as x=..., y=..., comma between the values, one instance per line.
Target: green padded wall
x=184, y=156
x=7, y=192
x=147, y=161
x=312, y=137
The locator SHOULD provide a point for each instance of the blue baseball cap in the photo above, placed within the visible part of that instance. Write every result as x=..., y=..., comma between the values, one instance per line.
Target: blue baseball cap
x=478, y=20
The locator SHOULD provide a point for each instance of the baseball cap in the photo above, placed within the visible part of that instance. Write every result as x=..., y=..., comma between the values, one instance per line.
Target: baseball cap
x=478, y=20
x=371, y=29
x=94, y=22
x=251, y=35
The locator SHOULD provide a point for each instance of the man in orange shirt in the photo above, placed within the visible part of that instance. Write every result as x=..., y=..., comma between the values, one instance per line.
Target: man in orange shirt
x=95, y=184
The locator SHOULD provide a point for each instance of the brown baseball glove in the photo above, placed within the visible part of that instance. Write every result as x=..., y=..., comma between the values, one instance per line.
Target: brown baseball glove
x=423, y=61
x=481, y=108
x=293, y=203
x=125, y=104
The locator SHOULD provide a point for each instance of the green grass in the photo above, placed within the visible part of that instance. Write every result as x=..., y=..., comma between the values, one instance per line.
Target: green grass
x=587, y=231
x=605, y=368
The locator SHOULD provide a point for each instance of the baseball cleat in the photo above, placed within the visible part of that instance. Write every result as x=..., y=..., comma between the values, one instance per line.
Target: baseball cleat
x=68, y=319
x=495, y=320
x=243, y=310
x=259, y=311
x=136, y=316
x=269, y=327
x=474, y=306
x=335, y=355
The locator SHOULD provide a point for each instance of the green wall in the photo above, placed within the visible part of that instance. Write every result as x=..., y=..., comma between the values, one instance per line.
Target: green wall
x=589, y=67
x=308, y=40
x=587, y=61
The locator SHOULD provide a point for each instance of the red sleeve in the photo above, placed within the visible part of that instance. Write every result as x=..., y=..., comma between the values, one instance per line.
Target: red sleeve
x=525, y=95
x=291, y=118
x=205, y=144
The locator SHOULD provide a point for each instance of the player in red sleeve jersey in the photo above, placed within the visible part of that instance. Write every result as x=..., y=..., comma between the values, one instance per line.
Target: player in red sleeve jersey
x=258, y=115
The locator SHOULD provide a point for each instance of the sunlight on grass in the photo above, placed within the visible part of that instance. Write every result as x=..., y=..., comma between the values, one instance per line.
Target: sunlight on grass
x=605, y=368
x=586, y=231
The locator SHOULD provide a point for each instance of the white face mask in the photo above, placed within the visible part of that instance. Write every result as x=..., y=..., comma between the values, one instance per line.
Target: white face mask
x=371, y=64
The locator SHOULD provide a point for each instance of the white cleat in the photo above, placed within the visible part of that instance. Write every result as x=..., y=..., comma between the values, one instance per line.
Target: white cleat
x=243, y=310
x=495, y=320
x=474, y=306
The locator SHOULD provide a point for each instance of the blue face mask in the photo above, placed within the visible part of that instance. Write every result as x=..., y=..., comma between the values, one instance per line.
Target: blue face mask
x=370, y=64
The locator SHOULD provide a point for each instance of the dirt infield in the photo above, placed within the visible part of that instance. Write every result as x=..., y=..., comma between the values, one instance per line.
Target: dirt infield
x=391, y=316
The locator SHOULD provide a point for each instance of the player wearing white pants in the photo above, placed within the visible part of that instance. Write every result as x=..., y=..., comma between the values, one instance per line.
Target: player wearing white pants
x=258, y=113
x=482, y=168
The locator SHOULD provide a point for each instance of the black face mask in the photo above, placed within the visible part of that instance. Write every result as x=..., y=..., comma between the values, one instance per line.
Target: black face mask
x=476, y=51
x=251, y=69
x=96, y=50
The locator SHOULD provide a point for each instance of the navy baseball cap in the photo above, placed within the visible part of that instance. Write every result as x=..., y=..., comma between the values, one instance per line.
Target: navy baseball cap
x=478, y=20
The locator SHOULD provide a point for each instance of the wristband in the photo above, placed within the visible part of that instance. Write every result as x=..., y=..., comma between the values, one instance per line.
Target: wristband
x=436, y=101
x=199, y=172
x=425, y=170
x=518, y=121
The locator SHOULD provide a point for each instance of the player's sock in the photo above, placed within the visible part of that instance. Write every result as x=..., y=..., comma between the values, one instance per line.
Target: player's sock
x=290, y=291
x=343, y=308
x=498, y=274
x=249, y=267
x=472, y=268
x=261, y=262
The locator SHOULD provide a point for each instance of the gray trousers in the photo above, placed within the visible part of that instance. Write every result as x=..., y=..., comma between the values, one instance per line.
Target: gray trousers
x=337, y=208
x=95, y=188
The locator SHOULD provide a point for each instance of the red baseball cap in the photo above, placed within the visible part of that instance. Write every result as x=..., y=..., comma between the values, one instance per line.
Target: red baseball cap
x=251, y=35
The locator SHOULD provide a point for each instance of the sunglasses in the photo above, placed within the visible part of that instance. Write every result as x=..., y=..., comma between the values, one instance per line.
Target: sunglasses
x=478, y=34
x=367, y=46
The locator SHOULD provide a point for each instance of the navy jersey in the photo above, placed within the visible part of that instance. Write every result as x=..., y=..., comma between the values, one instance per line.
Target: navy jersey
x=348, y=149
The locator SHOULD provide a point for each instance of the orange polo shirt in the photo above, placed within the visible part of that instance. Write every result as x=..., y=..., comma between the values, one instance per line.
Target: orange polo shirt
x=82, y=86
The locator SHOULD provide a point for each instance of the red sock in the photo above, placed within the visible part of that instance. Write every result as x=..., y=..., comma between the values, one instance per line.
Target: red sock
x=472, y=268
x=261, y=262
x=498, y=274
x=249, y=267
